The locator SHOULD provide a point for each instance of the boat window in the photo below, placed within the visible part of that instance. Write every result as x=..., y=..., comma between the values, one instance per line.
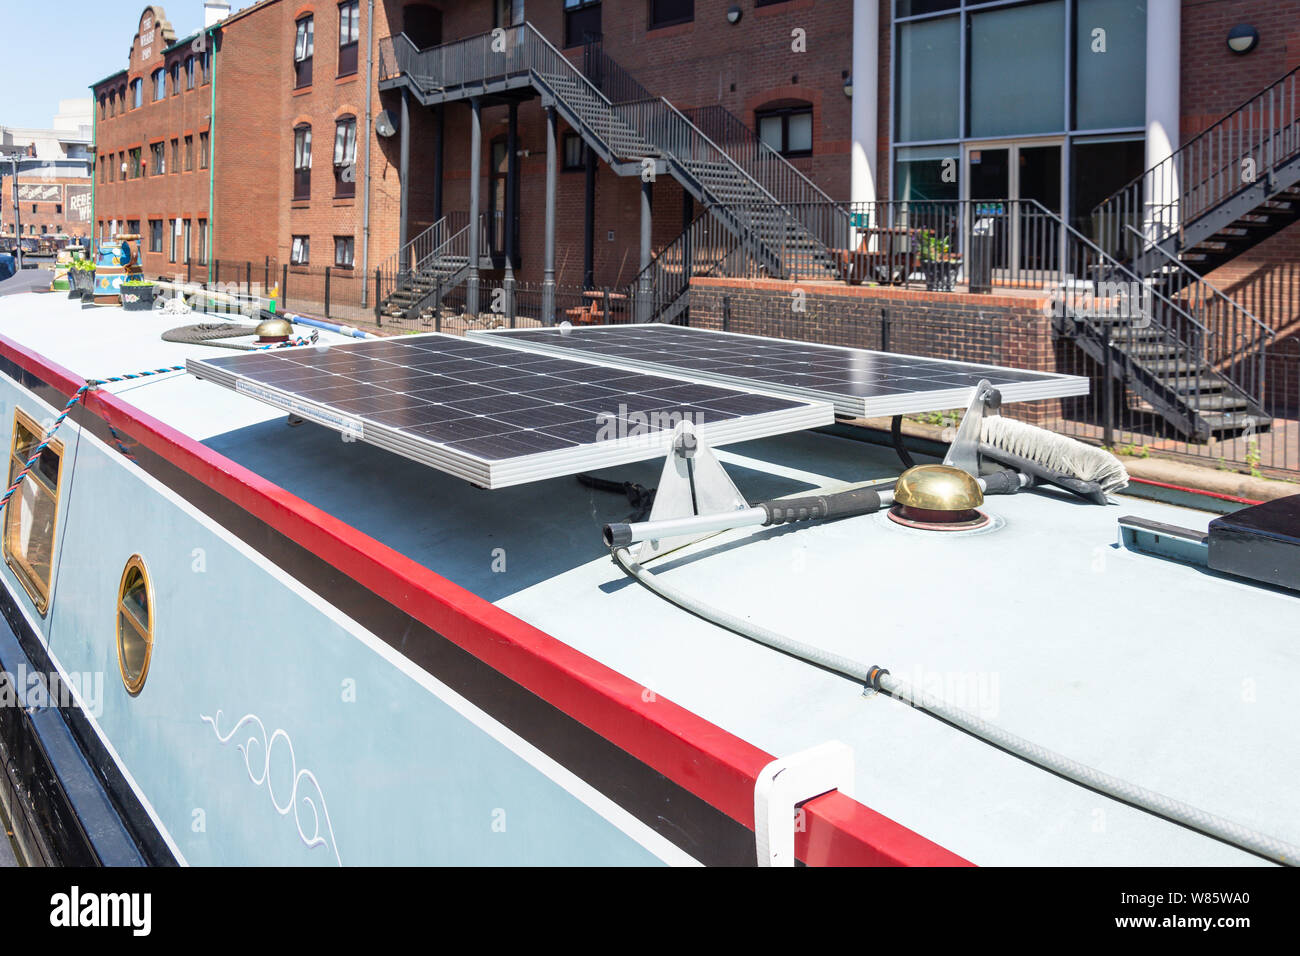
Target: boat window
x=134, y=625
x=32, y=513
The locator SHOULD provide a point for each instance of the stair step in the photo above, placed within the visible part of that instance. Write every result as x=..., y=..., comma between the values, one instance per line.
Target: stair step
x=1221, y=402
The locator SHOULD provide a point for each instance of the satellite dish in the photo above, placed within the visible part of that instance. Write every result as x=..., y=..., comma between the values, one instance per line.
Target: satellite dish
x=385, y=124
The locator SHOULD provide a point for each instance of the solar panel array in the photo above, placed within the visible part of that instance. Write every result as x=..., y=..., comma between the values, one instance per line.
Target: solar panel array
x=498, y=416
x=858, y=382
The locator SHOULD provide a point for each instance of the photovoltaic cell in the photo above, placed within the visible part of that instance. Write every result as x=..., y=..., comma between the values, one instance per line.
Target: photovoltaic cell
x=858, y=382
x=499, y=416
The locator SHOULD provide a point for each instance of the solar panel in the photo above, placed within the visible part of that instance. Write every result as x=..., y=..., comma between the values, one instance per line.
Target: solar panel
x=499, y=416
x=858, y=382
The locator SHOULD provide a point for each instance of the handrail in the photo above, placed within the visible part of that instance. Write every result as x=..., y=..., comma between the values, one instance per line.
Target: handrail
x=1239, y=149
x=743, y=132
x=1183, y=267
x=1205, y=133
x=655, y=123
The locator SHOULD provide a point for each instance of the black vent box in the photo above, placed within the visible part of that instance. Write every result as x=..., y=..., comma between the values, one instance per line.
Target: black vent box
x=1261, y=542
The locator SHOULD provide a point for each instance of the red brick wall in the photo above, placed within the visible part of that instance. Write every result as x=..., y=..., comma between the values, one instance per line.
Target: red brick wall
x=1015, y=331
x=53, y=217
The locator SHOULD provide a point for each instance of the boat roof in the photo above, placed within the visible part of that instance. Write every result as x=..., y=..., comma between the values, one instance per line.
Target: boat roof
x=1172, y=677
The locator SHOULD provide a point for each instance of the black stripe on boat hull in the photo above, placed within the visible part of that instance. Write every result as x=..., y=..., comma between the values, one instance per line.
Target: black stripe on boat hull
x=682, y=818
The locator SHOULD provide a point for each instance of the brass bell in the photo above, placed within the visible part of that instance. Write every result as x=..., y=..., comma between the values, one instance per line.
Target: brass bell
x=274, y=330
x=937, y=495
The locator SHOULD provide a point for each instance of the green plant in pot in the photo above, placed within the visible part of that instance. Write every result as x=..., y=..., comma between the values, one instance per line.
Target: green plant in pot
x=137, y=295
x=82, y=275
x=939, y=263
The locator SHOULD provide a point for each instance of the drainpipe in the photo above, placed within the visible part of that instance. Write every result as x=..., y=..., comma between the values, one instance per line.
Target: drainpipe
x=365, y=199
x=212, y=153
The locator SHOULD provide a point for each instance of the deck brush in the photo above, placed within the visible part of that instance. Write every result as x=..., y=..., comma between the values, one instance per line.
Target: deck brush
x=1082, y=469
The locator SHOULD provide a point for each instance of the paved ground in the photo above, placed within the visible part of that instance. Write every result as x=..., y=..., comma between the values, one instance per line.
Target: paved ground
x=26, y=280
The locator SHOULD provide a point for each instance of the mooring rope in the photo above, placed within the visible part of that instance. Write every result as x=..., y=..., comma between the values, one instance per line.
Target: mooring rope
x=93, y=383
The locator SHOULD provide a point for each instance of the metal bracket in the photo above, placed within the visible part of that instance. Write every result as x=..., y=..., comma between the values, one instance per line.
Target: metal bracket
x=693, y=482
x=789, y=781
x=964, y=452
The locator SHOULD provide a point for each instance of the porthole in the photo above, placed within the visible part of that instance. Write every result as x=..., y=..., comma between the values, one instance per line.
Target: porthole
x=134, y=625
x=32, y=514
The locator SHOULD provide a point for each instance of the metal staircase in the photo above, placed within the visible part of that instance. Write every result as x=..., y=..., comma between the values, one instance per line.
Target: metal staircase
x=1226, y=190
x=417, y=277
x=1223, y=192
x=633, y=132
x=1177, y=345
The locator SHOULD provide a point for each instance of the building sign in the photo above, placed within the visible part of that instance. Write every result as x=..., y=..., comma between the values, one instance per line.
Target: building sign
x=77, y=208
x=40, y=192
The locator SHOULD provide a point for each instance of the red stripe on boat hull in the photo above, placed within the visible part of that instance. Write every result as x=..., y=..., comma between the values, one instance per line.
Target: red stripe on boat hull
x=711, y=763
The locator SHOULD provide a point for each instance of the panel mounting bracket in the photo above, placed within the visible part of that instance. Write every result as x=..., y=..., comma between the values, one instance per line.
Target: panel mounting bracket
x=693, y=482
x=789, y=781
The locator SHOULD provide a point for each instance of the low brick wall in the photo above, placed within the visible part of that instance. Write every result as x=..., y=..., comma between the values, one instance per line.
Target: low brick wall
x=1007, y=330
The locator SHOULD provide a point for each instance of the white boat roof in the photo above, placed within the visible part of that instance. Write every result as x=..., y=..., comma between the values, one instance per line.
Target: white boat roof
x=1178, y=680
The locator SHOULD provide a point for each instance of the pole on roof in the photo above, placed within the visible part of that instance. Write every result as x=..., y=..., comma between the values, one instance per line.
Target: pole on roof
x=475, y=161
x=403, y=171
x=548, y=264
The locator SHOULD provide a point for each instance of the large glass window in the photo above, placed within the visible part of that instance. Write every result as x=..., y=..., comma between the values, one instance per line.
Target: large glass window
x=1109, y=64
x=1017, y=70
x=927, y=172
x=929, y=80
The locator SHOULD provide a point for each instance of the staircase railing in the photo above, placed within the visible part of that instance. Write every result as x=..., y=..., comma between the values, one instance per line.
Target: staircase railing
x=776, y=174
x=422, y=257
x=618, y=85
x=705, y=247
x=1238, y=342
x=1239, y=150
x=652, y=123
x=396, y=269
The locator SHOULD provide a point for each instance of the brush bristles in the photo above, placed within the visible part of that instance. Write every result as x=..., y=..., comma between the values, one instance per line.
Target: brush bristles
x=1055, y=452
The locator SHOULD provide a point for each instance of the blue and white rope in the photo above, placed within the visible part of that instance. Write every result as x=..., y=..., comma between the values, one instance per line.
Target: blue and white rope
x=95, y=383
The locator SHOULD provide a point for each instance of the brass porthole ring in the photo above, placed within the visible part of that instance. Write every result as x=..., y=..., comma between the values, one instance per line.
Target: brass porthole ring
x=134, y=624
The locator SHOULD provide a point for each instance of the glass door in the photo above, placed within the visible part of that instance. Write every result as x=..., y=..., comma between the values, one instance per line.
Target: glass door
x=1018, y=185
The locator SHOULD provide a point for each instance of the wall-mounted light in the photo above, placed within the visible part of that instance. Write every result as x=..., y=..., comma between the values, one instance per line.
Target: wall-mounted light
x=1243, y=38
x=848, y=86
x=734, y=13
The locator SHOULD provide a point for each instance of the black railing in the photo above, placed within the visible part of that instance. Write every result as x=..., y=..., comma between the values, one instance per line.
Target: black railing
x=1229, y=157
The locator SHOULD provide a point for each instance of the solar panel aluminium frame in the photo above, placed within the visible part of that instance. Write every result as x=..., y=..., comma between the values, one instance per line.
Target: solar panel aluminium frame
x=522, y=469
x=1052, y=384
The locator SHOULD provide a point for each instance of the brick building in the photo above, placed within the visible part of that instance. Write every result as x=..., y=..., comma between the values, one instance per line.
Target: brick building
x=50, y=205
x=1058, y=101
x=153, y=131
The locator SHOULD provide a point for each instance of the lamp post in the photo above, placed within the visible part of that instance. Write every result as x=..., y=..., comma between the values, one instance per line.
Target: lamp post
x=18, y=213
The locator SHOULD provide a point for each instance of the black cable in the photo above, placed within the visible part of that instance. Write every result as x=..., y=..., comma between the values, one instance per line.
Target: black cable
x=896, y=433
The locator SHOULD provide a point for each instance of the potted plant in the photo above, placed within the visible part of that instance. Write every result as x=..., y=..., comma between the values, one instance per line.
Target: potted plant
x=138, y=295
x=939, y=264
x=82, y=274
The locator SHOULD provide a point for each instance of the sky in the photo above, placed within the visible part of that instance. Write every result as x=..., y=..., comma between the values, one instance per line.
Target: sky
x=54, y=51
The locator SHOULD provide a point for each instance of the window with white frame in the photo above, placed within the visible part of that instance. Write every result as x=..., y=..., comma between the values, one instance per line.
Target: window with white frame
x=345, y=157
